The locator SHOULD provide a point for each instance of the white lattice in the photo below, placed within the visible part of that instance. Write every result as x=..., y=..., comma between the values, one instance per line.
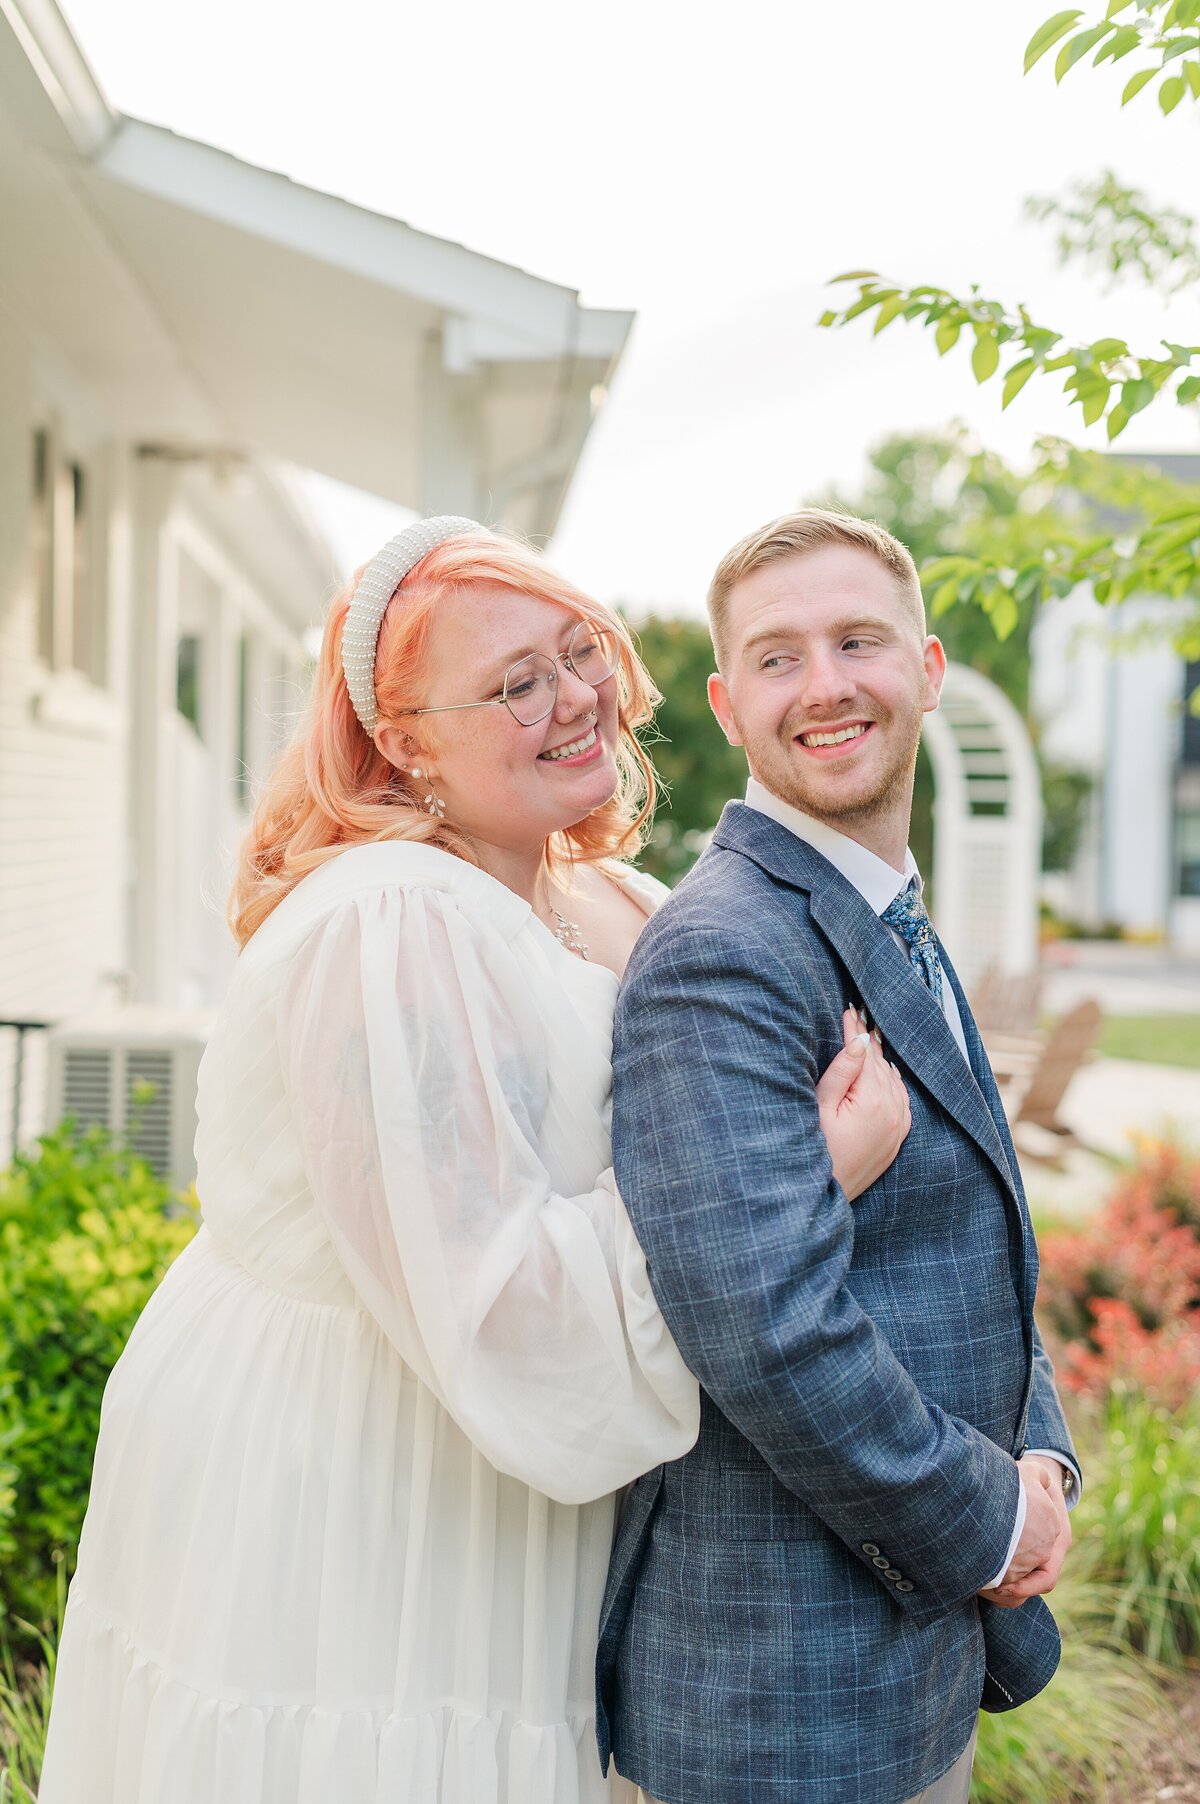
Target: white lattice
x=987, y=827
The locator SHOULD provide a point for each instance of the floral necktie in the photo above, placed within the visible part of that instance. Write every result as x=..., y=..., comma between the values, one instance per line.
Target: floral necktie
x=906, y=914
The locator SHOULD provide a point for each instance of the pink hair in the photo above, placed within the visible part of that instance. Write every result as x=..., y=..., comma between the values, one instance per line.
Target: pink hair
x=332, y=787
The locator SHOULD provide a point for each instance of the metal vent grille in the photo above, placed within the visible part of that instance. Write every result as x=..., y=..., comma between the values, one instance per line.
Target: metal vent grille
x=87, y=1087
x=148, y=1117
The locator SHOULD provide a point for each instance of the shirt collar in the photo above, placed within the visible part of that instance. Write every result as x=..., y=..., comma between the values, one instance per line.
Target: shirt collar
x=875, y=880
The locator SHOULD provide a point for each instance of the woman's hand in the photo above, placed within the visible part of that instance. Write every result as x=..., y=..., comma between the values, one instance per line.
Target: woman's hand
x=864, y=1109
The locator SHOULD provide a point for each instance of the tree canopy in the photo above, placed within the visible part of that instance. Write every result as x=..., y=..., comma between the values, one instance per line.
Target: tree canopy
x=1141, y=536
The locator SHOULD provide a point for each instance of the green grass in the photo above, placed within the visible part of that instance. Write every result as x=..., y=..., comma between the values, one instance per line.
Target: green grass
x=1155, y=1039
x=1089, y=1734
x=1138, y=1528
x=25, y=1691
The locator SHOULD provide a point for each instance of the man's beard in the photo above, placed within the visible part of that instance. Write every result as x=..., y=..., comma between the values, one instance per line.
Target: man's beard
x=889, y=792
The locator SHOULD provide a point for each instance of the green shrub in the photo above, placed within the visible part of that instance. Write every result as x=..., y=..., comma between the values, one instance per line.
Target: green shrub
x=1138, y=1525
x=86, y=1232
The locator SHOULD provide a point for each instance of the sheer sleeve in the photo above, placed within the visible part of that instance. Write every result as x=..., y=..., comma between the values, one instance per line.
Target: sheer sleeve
x=418, y=1074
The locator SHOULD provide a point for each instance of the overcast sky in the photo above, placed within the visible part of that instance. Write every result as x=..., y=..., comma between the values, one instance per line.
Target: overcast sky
x=709, y=168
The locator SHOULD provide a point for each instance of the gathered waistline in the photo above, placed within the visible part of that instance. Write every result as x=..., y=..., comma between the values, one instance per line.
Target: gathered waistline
x=209, y=1244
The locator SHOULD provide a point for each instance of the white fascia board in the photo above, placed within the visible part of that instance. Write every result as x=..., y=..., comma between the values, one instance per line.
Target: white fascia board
x=598, y=336
x=541, y=315
x=63, y=71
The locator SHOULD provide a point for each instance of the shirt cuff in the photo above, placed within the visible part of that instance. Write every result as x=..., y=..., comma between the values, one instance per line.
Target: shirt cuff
x=1072, y=1476
x=1022, y=1512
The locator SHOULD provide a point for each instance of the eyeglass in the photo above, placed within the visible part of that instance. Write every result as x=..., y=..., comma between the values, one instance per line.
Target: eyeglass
x=531, y=685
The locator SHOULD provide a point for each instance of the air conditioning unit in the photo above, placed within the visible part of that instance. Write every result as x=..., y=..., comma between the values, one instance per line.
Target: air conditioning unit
x=133, y=1070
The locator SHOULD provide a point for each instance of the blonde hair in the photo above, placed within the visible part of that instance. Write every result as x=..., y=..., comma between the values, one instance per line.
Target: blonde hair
x=792, y=535
x=333, y=788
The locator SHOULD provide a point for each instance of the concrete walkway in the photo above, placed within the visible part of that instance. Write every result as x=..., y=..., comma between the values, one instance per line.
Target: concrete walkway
x=1124, y=979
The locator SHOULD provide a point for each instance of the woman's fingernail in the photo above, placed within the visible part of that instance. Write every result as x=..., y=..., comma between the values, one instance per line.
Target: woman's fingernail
x=862, y=1041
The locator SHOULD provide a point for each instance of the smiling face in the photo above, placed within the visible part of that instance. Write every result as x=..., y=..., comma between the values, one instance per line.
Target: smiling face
x=503, y=784
x=825, y=682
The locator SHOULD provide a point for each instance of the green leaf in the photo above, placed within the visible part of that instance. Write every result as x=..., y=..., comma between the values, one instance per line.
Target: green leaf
x=1118, y=419
x=857, y=275
x=1179, y=47
x=946, y=336
x=862, y=305
x=1188, y=390
x=1123, y=40
x=1105, y=349
x=1003, y=613
x=944, y=598
x=1136, y=83
x=1136, y=394
x=985, y=356
x=1116, y=7
x=1094, y=399
x=1048, y=34
x=1192, y=73
x=1172, y=541
x=1079, y=46
x=1187, y=12
x=1016, y=379
x=887, y=313
x=938, y=568
x=829, y=319
x=1171, y=93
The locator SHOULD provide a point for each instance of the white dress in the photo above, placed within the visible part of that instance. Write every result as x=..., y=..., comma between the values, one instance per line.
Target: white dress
x=352, y=1504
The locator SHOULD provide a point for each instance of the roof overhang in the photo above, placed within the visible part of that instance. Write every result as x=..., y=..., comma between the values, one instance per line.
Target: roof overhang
x=216, y=305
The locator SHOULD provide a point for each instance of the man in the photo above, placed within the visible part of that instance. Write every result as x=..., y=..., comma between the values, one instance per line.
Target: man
x=812, y=1605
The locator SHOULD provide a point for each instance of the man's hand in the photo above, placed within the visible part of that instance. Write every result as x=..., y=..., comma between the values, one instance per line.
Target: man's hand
x=1044, y=1539
x=864, y=1109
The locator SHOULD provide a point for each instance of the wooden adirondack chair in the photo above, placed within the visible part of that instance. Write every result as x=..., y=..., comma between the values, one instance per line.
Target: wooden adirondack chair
x=1007, y=1004
x=1039, y=1079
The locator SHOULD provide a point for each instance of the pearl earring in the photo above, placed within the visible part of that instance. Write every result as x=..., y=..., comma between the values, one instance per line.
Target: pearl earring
x=432, y=803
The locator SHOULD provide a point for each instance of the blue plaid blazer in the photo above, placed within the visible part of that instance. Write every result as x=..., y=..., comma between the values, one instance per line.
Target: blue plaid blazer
x=791, y=1611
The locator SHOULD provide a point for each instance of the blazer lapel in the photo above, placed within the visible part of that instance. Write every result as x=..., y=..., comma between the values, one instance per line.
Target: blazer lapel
x=899, y=1003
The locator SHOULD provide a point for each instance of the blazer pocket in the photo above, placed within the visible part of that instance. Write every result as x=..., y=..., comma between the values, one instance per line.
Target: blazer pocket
x=754, y=1506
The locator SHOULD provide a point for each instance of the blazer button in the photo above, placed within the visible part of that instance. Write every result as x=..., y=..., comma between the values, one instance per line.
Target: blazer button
x=904, y=1585
x=870, y=1549
x=879, y=1561
x=891, y=1573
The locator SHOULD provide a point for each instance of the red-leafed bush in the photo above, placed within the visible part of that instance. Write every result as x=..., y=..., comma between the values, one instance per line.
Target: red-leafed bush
x=1122, y=1294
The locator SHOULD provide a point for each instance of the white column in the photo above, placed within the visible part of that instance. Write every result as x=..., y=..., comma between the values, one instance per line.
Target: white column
x=452, y=450
x=153, y=787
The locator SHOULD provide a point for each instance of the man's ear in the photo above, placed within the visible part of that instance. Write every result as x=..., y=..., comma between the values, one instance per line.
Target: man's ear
x=934, y=658
x=718, y=701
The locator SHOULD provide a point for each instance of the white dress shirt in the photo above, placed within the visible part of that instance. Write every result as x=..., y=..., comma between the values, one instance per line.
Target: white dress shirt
x=879, y=883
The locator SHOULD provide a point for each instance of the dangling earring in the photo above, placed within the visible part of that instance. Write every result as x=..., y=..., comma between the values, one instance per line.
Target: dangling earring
x=432, y=803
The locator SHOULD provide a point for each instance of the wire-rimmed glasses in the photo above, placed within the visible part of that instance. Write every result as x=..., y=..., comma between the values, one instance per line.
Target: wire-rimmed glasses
x=531, y=684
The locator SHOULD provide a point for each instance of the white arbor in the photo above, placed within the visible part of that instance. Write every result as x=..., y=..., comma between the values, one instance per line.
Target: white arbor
x=987, y=827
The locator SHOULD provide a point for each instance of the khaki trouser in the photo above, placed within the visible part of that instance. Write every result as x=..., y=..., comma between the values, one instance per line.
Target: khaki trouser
x=953, y=1787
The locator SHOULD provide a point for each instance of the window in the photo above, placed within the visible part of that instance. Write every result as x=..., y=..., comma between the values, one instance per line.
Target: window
x=43, y=544
x=241, y=747
x=1190, y=749
x=1187, y=828
x=70, y=626
x=187, y=679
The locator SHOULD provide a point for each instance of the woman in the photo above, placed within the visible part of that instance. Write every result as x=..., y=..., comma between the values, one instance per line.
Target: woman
x=352, y=1504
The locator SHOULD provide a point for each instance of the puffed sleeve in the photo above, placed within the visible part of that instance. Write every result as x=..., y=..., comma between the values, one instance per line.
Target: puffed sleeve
x=418, y=1073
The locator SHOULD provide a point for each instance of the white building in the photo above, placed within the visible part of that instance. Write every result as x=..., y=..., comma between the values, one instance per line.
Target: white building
x=1109, y=691
x=176, y=328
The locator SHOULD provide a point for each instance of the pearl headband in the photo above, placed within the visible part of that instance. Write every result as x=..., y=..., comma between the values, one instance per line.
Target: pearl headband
x=379, y=582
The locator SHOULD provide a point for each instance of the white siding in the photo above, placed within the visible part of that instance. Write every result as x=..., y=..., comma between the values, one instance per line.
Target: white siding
x=62, y=759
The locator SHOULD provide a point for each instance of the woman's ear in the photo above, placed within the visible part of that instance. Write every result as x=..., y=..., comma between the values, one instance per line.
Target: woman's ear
x=400, y=748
